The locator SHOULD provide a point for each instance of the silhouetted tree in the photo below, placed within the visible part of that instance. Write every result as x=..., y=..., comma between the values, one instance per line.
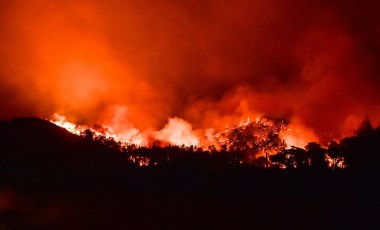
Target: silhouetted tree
x=362, y=151
x=365, y=129
x=283, y=158
x=87, y=134
x=261, y=162
x=300, y=156
x=316, y=155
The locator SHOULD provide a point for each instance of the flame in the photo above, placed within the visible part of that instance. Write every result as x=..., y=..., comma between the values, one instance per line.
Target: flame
x=62, y=122
x=141, y=161
x=338, y=162
x=267, y=135
x=259, y=137
x=298, y=135
x=178, y=132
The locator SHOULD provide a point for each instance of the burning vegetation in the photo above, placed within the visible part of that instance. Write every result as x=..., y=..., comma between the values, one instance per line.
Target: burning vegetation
x=261, y=142
x=189, y=85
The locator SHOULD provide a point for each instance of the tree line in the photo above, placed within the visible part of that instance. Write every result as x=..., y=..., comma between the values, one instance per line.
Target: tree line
x=357, y=151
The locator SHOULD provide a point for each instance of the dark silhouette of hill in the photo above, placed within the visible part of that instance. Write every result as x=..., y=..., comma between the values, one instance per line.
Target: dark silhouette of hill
x=52, y=179
x=33, y=147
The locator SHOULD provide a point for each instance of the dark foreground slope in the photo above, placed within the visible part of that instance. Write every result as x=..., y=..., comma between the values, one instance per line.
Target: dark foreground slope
x=51, y=179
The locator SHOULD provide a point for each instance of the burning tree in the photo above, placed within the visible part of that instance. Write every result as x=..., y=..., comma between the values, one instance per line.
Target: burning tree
x=255, y=138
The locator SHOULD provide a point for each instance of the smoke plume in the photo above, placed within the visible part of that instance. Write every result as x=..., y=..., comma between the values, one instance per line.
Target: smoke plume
x=206, y=63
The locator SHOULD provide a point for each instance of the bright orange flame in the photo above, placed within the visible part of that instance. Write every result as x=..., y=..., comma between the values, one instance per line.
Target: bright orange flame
x=180, y=133
x=298, y=135
x=176, y=132
x=61, y=122
x=260, y=137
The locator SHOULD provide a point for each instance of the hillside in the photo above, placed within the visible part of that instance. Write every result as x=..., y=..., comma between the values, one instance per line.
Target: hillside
x=52, y=179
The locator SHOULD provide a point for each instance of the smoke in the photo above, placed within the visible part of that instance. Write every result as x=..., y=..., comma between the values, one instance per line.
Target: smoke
x=208, y=62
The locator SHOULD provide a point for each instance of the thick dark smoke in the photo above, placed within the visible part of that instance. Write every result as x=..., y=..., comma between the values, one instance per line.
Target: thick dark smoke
x=209, y=62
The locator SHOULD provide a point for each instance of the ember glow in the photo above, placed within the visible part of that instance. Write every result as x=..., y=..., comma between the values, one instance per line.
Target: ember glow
x=181, y=72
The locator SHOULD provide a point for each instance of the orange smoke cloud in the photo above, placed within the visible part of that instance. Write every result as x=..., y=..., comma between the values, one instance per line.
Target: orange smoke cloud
x=210, y=63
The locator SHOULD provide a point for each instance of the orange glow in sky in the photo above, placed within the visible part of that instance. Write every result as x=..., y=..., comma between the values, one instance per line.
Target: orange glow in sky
x=150, y=66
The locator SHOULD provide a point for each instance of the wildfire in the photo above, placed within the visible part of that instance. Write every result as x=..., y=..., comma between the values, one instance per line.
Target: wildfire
x=62, y=122
x=177, y=132
x=260, y=135
x=256, y=138
x=141, y=161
